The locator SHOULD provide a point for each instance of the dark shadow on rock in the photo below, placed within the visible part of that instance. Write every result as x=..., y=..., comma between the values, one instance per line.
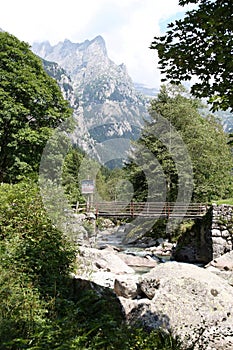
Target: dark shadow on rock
x=196, y=245
x=142, y=316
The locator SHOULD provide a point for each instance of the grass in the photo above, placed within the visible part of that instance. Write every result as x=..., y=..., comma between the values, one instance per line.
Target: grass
x=228, y=201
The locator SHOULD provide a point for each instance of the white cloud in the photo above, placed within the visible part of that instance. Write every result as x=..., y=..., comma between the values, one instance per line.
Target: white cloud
x=128, y=27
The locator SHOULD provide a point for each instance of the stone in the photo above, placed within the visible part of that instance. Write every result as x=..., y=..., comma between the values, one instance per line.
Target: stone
x=218, y=240
x=107, y=223
x=139, y=261
x=91, y=216
x=216, y=233
x=79, y=217
x=224, y=262
x=91, y=260
x=149, y=285
x=160, y=241
x=126, y=286
x=108, y=247
x=225, y=233
x=212, y=237
x=112, y=262
x=110, y=304
x=104, y=278
x=189, y=301
x=223, y=267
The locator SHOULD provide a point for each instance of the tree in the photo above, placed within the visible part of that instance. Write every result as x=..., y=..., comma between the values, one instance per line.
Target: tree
x=41, y=305
x=31, y=104
x=201, y=45
x=204, y=139
x=71, y=177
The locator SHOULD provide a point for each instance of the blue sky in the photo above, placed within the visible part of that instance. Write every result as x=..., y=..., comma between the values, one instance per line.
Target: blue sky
x=128, y=27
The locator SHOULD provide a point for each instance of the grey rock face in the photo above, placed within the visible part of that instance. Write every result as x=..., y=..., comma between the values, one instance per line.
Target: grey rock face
x=107, y=106
x=209, y=238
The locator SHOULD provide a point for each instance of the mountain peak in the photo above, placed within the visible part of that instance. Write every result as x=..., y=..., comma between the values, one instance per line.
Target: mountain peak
x=99, y=39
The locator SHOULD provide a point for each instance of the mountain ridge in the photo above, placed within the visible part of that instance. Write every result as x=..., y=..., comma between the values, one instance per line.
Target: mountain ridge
x=106, y=104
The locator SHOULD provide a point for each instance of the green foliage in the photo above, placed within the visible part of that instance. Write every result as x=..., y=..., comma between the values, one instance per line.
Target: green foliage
x=71, y=175
x=41, y=307
x=230, y=141
x=204, y=139
x=29, y=241
x=112, y=185
x=201, y=45
x=35, y=263
x=228, y=201
x=31, y=104
x=156, y=340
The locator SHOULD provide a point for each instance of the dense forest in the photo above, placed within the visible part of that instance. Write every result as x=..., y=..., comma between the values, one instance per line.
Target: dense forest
x=38, y=307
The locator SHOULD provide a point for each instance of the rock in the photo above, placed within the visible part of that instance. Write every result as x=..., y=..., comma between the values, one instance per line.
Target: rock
x=109, y=247
x=102, y=299
x=126, y=286
x=226, y=275
x=91, y=260
x=160, y=241
x=224, y=262
x=79, y=217
x=104, y=278
x=109, y=107
x=129, y=305
x=209, y=237
x=139, y=261
x=225, y=234
x=190, y=301
x=107, y=223
x=91, y=216
x=149, y=285
x=223, y=267
x=112, y=262
x=164, y=249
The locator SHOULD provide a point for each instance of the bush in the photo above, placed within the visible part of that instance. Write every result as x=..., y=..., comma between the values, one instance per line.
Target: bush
x=39, y=304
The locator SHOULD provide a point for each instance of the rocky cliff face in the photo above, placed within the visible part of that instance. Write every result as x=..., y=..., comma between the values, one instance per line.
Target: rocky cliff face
x=106, y=104
x=208, y=238
x=64, y=81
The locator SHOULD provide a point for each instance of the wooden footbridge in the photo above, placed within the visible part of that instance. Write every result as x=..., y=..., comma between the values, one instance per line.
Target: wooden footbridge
x=149, y=210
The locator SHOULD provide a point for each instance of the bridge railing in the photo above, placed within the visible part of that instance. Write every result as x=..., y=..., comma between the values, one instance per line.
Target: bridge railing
x=150, y=209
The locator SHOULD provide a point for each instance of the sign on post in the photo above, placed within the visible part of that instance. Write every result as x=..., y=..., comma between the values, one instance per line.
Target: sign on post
x=88, y=186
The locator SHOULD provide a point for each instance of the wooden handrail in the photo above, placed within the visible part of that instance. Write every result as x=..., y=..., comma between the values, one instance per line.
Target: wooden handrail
x=150, y=209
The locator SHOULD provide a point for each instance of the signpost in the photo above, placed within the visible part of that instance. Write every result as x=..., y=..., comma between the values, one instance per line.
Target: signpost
x=88, y=187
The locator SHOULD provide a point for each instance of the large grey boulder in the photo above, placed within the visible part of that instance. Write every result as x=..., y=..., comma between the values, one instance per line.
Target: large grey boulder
x=94, y=259
x=189, y=301
x=101, y=266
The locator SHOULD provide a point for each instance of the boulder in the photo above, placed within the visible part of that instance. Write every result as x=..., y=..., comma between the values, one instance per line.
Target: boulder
x=95, y=259
x=104, y=302
x=149, y=285
x=223, y=267
x=223, y=263
x=133, y=260
x=104, y=278
x=187, y=300
x=126, y=286
x=208, y=238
